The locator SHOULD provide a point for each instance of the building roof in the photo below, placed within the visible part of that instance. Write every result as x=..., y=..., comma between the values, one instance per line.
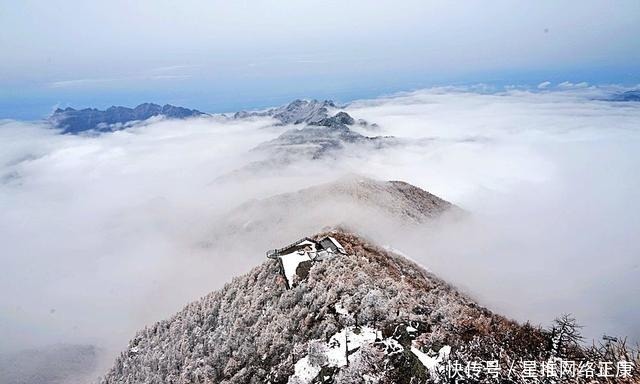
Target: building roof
x=303, y=252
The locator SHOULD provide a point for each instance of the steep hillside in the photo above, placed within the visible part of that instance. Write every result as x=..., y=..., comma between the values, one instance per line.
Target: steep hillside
x=367, y=316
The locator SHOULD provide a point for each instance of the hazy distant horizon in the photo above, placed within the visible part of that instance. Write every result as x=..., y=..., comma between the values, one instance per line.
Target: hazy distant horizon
x=221, y=57
x=215, y=103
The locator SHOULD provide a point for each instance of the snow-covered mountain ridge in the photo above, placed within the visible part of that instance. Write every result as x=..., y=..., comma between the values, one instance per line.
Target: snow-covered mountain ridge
x=403, y=322
x=297, y=112
x=362, y=204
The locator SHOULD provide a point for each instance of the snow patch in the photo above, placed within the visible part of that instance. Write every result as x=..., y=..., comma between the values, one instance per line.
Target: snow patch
x=350, y=338
x=341, y=310
x=305, y=371
x=290, y=263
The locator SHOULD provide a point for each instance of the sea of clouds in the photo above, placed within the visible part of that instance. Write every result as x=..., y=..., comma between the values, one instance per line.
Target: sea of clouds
x=101, y=235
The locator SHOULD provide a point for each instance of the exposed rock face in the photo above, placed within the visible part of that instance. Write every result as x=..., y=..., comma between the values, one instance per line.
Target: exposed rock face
x=317, y=140
x=296, y=112
x=113, y=118
x=323, y=138
x=367, y=316
x=321, y=135
x=340, y=118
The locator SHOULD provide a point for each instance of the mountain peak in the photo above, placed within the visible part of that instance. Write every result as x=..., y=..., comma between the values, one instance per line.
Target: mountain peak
x=366, y=312
x=296, y=112
x=631, y=95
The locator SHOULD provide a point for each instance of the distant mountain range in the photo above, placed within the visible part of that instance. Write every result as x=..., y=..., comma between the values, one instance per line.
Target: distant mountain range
x=633, y=95
x=311, y=112
x=114, y=118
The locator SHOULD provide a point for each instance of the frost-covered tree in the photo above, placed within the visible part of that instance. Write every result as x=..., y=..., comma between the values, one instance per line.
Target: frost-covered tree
x=565, y=335
x=374, y=306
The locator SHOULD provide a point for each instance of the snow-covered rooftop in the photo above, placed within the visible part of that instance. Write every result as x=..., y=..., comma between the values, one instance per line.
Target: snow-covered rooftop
x=304, y=250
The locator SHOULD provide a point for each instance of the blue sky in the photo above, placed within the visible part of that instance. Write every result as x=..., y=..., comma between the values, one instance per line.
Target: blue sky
x=222, y=56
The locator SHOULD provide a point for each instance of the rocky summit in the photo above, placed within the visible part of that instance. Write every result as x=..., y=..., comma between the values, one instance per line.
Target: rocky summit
x=297, y=112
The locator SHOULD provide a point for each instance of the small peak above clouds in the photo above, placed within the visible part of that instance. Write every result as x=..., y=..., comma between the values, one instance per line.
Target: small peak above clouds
x=324, y=134
x=296, y=112
x=632, y=95
x=75, y=121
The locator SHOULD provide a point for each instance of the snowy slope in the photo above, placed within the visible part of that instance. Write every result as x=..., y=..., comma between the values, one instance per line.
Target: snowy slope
x=368, y=316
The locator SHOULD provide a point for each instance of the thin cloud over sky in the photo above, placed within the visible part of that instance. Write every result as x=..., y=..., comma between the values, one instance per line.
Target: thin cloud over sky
x=364, y=50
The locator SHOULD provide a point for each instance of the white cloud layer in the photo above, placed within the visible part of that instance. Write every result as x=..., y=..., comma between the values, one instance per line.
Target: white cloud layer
x=102, y=235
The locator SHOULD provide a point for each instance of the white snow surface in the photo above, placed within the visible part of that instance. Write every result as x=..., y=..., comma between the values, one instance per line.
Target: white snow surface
x=290, y=262
x=432, y=363
x=305, y=371
x=352, y=337
x=340, y=309
x=336, y=346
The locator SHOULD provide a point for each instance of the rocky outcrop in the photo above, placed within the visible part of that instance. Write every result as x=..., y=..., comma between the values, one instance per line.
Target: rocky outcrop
x=296, y=112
